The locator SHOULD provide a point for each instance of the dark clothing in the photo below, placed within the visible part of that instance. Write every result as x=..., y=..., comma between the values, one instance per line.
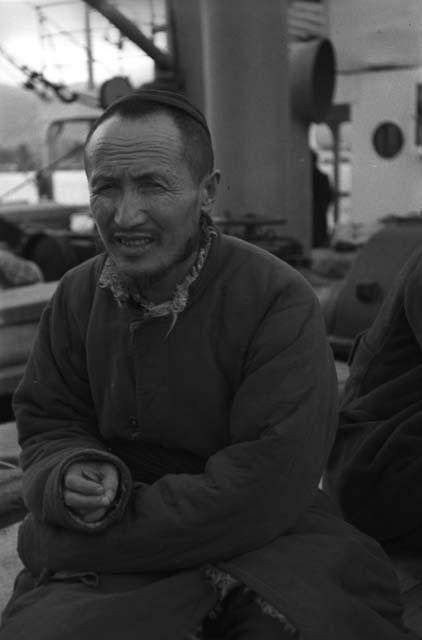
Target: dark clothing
x=53, y=254
x=108, y=607
x=322, y=195
x=220, y=429
x=375, y=469
x=243, y=619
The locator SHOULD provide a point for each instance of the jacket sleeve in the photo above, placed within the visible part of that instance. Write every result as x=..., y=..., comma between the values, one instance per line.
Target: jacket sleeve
x=375, y=469
x=55, y=418
x=282, y=427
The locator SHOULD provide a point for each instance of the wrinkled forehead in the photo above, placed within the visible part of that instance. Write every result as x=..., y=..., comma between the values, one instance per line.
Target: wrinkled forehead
x=123, y=138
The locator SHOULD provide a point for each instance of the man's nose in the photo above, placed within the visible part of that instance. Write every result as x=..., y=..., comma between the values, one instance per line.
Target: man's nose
x=130, y=211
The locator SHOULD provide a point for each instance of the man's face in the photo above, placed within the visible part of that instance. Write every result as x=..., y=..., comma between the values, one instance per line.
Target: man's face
x=144, y=200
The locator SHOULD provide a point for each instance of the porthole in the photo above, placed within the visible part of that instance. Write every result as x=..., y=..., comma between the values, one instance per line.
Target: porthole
x=388, y=139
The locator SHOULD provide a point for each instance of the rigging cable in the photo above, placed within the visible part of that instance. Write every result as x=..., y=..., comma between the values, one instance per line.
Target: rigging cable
x=67, y=34
x=35, y=77
x=47, y=167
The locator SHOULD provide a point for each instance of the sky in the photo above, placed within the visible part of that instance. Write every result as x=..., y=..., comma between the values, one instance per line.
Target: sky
x=49, y=36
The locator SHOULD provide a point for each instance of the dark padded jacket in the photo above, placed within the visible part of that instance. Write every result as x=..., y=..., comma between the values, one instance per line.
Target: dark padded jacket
x=220, y=428
x=375, y=469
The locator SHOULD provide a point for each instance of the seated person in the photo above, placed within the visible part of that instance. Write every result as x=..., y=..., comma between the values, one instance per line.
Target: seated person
x=26, y=257
x=15, y=271
x=322, y=196
x=53, y=253
x=375, y=469
x=175, y=417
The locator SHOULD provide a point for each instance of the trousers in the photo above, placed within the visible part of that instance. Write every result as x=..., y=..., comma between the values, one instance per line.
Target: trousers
x=241, y=618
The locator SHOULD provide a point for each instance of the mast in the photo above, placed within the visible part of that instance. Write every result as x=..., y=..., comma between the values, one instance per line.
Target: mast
x=88, y=41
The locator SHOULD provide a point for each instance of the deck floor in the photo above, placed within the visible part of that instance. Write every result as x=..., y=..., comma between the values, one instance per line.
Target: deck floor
x=10, y=564
x=9, y=448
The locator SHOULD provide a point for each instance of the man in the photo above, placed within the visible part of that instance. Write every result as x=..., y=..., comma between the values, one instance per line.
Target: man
x=175, y=417
x=375, y=468
x=322, y=196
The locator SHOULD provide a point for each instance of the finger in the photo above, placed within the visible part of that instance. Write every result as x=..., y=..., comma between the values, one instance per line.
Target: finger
x=76, y=483
x=92, y=473
x=110, y=494
x=110, y=481
x=79, y=501
x=94, y=516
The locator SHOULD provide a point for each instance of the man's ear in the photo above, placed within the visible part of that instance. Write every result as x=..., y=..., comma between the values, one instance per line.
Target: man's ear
x=209, y=190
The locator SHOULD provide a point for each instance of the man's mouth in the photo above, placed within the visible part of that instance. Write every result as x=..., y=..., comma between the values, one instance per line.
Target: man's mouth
x=134, y=242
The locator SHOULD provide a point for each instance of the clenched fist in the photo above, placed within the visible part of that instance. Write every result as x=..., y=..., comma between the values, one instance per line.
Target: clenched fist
x=90, y=488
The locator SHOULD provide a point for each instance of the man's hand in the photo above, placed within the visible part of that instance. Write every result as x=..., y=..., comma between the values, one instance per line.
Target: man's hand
x=90, y=488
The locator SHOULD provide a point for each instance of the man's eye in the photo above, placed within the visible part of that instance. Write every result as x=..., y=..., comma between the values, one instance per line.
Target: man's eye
x=151, y=184
x=102, y=188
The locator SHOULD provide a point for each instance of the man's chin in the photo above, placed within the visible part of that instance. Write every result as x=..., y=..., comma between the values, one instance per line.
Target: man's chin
x=137, y=277
x=133, y=265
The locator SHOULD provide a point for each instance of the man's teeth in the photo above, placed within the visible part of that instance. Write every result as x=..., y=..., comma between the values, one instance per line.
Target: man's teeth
x=135, y=242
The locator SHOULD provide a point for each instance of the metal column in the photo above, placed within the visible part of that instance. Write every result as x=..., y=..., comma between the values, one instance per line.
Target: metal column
x=246, y=89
